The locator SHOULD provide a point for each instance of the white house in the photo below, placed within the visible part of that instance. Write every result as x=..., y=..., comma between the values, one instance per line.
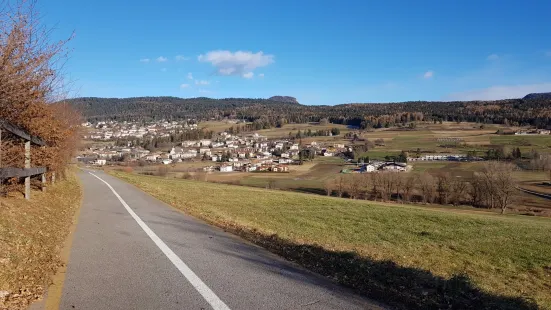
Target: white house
x=205, y=142
x=226, y=168
x=100, y=162
x=176, y=152
x=368, y=168
x=152, y=157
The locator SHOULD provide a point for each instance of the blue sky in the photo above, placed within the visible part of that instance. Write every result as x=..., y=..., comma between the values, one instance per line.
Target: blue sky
x=321, y=52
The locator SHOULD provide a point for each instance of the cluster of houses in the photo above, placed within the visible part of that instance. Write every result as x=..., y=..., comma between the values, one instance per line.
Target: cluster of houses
x=443, y=157
x=375, y=166
x=227, y=152
x=533, y=132
x=111, y=130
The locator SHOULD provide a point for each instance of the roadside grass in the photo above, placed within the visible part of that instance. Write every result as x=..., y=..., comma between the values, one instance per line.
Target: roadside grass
x=406, y=256
x=32, y=234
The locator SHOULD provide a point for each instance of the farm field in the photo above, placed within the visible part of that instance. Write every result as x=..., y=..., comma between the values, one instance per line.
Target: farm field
x=311, y=177
x=381, y=249
x=472, y=139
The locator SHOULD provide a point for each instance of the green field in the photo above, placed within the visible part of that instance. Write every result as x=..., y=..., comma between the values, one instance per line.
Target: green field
x=406, y=256
x=525, y=143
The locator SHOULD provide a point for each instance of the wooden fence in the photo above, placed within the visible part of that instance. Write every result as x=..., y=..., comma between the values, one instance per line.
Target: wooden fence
x=28, y=171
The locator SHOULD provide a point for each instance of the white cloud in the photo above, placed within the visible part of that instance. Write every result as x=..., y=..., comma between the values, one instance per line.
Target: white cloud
x=248, y=75
x=146, y=60
x=184, y=86
x=202, y=82
x=500, y=92
x=239, y=63
x=204, y=91
x=162, y=59
x=261, y=75
x=181, y=58
x=190, y=76
x=493, y=57
x=428, y=74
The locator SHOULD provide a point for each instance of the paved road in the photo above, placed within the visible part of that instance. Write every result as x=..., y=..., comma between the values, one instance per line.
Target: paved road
x=131, y=251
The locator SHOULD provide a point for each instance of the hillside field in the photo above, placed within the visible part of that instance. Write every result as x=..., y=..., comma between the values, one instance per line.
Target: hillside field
x=406, y=256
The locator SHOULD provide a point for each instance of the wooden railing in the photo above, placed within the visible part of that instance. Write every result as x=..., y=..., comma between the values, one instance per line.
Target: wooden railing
x=28, y=171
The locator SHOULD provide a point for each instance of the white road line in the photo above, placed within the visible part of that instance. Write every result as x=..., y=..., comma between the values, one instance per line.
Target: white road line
x=215, y=302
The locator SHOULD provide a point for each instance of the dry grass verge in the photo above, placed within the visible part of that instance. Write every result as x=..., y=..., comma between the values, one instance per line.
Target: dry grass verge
x=32, y=234
x=406, y=256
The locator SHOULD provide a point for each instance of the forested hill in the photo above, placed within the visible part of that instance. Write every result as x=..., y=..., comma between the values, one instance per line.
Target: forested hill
x=538, y=96
x=269, y=113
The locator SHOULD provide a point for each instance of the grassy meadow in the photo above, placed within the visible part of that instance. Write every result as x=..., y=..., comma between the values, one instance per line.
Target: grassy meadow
x=406, y=256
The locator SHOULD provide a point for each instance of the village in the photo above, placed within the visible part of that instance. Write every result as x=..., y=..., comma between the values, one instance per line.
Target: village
x=247, y=152
x=116, y=143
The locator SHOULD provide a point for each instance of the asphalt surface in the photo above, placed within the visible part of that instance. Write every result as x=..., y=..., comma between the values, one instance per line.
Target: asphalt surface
x=115, y=264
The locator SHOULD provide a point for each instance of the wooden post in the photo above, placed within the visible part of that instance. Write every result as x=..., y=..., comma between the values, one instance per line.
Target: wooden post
x=28, y=165
x=53, y=177
x=1, y=181
x=43, y=182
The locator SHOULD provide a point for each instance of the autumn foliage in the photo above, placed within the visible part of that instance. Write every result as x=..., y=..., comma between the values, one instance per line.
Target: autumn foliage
x=31, y=81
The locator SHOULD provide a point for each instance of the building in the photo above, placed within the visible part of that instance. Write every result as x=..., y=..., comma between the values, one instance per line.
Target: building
x=226, y=168
x=368, y=168
x=394, y=167
x=100, y=162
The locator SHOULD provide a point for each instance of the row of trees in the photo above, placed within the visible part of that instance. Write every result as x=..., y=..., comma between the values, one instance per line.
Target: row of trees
x=493, y=187
x=316, y=133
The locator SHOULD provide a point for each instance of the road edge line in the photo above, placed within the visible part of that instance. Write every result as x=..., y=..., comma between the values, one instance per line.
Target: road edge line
x=214, y=301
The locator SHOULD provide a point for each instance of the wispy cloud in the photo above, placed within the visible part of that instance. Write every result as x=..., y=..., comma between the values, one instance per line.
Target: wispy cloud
x=204, y=91
x=261, y=75
x=240, y=63
x=202, y=82
x=184, y=86
x=162, y=59
x=163, y=69
x=190, y=76
x=248, y=75
x=500, y=92
x=181, y=58
x=493, y=57
x=428, y=74
x=145, y=60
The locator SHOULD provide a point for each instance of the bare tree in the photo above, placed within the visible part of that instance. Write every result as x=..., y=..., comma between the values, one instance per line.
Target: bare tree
x=458, y=190
x=340, y=185
x=408, y=185
x=504, y=183
x=353, y=185
x=328, y=186
x=443, y=187
x=427, y=187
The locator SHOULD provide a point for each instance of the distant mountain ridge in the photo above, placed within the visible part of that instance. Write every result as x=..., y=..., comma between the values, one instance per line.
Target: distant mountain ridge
x=273, y=112
x=286, y=99
x=538, y=96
